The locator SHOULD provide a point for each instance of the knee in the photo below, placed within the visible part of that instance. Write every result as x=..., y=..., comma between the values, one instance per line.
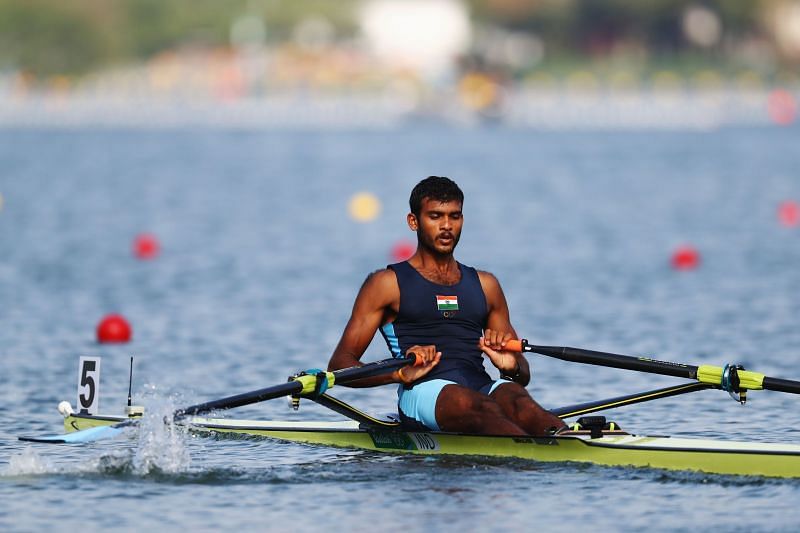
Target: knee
x=472, y=412
x=514, y=397
x=480, y=404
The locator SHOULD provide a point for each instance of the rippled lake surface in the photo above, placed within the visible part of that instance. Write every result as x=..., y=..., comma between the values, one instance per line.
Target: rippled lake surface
x=258, y=269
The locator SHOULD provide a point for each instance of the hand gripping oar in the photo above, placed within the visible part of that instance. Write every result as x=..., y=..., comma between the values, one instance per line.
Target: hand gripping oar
x=731, y=378
x=305, y=383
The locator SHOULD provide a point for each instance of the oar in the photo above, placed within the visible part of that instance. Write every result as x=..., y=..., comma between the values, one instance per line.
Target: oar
x=730, y=378
x=304, y=383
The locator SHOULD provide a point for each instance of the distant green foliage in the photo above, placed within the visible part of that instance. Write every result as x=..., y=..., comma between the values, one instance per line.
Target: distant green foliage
x=49, y=37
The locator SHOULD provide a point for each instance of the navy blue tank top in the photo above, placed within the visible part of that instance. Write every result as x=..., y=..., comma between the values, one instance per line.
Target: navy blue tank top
x=451, y=317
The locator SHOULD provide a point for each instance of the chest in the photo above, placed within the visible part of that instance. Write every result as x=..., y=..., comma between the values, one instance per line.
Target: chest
x=425, y=302
x=447, y=279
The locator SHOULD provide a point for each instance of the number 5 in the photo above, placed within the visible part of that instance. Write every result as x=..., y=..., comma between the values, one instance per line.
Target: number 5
x=89, y=378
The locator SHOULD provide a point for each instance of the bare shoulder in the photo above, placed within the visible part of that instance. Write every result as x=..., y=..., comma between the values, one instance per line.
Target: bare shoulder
x=491, y=288
x=488, y=281
x=380, y=287
x=384, y=278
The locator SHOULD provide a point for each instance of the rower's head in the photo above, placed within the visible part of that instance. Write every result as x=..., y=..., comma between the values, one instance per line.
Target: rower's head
x=436, y=216
x=436, y=188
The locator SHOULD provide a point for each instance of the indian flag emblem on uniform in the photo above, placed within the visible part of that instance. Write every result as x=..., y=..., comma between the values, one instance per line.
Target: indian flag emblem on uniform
x=447, y=303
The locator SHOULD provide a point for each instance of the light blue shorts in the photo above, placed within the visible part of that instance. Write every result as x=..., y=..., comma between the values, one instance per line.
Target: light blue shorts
x=419, y=403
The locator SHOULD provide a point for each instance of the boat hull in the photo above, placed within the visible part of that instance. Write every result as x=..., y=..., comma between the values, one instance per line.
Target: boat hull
x=616, y=449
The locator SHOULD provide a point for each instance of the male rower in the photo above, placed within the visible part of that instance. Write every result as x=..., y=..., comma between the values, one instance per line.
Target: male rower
x=449, y=315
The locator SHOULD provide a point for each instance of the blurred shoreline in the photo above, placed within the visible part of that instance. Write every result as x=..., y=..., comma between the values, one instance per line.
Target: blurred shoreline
x=385, y=63
x=536, y=108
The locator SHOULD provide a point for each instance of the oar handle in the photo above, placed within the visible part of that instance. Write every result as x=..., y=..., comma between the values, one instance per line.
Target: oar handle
x=514, y=345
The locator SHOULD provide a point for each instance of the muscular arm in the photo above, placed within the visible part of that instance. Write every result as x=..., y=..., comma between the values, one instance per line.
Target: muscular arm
x=378, y=296
x=499, y=323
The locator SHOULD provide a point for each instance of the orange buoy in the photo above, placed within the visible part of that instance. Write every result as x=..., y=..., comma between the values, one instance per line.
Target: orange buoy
x=402, y=250
x=113, y=328
x=364, y=207
x=789, y=213
x=685, y=258
x=146, y=246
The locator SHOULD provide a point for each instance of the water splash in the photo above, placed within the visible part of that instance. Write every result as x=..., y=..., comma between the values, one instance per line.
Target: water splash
x=154, y=447
x=161, y=444
x=28, y=462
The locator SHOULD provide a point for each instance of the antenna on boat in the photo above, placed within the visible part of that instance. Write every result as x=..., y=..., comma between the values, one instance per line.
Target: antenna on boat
x=132, y=410
x=130, y=382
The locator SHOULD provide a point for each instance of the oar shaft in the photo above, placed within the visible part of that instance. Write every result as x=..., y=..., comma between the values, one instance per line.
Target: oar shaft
x=342, y=376
x=782, y=385
x=284, y=389
x=591, y=357
x=712, y=375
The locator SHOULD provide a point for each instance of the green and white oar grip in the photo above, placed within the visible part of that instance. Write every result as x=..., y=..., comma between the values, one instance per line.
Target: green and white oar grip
x=713, y=375
x=709, y=374
x=751, y=380
x=309, y=382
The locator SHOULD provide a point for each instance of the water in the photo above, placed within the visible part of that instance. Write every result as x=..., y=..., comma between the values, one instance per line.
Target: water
x=258, y=270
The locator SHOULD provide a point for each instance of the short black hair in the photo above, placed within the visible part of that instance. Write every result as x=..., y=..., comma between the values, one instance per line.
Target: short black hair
x=436, y=188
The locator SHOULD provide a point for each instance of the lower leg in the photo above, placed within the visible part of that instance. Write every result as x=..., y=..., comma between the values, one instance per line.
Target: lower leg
x=523, y=410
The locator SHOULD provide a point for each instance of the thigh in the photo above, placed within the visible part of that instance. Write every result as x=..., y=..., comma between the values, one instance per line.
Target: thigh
x=462, y=409
x=419, y=402
x=458, y=398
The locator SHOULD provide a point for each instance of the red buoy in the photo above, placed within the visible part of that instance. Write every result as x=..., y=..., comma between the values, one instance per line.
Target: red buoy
x=782, y=107
x=402, y=250
x=789, y=213
x=113, y=328
x=146, y=246
x=685, y=258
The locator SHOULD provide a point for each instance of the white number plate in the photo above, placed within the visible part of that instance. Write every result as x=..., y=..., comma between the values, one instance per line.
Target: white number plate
x=89, y=385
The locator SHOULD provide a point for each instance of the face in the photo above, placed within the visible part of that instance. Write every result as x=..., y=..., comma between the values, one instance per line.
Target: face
x=438, y=226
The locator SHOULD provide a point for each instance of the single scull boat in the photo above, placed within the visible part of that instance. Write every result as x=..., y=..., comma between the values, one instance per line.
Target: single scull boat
x=591, y=440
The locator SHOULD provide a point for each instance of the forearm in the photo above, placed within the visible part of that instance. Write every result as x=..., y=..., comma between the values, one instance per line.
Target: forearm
x=522, y=373
x=385, y=379
x=346, y=359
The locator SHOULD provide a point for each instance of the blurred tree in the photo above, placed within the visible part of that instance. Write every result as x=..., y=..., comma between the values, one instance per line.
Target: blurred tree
x=46, y=38
x=49, y=37
x=594, y=26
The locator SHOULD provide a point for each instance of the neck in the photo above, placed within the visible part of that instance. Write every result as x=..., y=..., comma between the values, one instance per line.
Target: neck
x=431, y=261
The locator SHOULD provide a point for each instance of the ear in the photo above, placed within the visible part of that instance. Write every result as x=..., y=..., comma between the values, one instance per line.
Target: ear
x=411, y=218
